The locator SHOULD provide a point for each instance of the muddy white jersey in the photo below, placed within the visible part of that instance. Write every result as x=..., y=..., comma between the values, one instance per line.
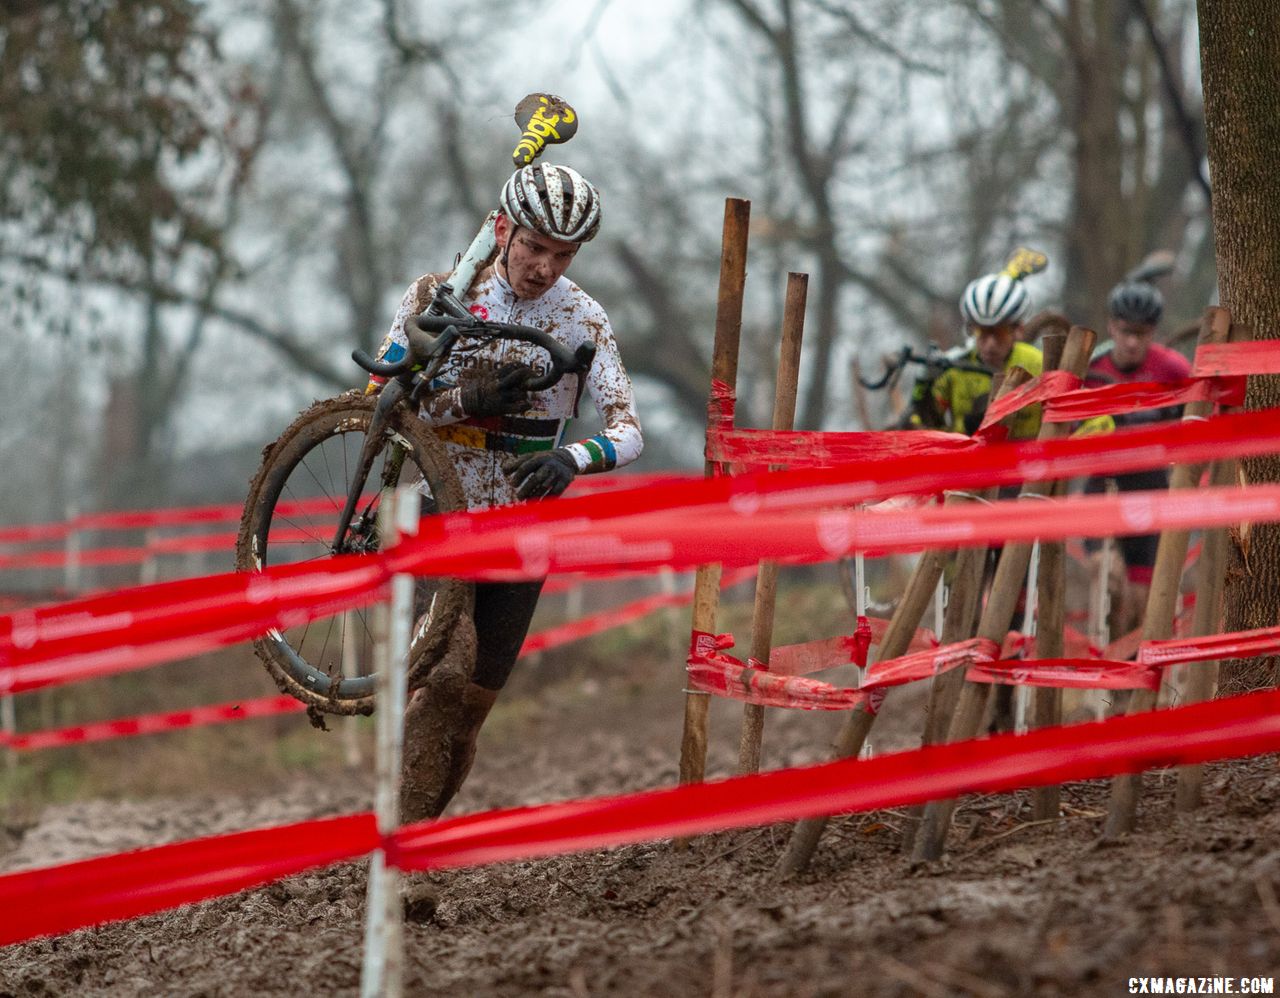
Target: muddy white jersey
x=479, y=446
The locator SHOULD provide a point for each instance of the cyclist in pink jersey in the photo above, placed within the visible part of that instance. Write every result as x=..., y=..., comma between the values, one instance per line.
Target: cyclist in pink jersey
x=1134, y=310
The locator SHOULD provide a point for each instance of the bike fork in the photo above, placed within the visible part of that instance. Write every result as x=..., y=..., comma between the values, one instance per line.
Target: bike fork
x=388, y=399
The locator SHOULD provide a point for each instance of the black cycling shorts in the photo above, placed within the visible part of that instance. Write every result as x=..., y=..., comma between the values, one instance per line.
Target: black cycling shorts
x=503, y=613
x=1139, y=551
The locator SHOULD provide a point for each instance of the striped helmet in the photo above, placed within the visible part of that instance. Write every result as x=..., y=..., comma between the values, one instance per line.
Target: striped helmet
x=1137, y=302
x=994, y=300
x=553, y=200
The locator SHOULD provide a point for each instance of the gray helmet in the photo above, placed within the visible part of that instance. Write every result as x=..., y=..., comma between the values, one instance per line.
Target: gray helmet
x=1137, y=302
x=553, y=200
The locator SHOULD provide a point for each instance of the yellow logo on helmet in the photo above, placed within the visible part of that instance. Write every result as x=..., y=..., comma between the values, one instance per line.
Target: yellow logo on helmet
x=1024, y=262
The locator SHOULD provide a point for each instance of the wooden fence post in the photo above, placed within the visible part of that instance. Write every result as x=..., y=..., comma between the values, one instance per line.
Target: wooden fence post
x=784, y=415
x=919, y=594
x=1162, y=600
x=1046, y=701
x=998, y=614
x=1202, y=682
x=959, y=622
x=724, y=368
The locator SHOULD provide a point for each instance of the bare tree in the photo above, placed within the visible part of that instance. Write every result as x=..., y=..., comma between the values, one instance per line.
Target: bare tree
x=1239, y=53
x=308, y=192
x=1109, y=69
x=812, y=136
x=121, y=143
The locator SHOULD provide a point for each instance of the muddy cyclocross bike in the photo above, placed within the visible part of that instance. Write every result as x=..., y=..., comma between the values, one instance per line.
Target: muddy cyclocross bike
x=317, y=493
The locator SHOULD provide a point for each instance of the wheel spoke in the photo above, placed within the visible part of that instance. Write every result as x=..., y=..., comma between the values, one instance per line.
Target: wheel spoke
x=309, y=528
x=309, y=659
x=328, y=493
x=323, y=660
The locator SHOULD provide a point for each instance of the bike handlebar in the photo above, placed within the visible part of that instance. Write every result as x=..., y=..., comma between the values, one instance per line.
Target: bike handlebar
x=376, y=366
x=563, y=360
x=907, y=355
x=436, y=333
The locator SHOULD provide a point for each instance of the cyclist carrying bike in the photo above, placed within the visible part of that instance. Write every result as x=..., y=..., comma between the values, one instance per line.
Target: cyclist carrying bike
x=508, y=444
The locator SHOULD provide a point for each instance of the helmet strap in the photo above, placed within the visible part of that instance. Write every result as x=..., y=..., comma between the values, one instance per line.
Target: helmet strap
x=506, y=250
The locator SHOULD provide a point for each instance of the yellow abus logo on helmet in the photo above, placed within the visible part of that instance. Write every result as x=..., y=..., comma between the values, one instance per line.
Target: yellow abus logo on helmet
x=1024, y=262
x=544, y=120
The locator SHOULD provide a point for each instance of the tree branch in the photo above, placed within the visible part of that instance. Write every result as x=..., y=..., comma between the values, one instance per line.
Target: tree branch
x=840, y=127
x=409, y=51
x=355, y=170
x=895, y=304
x=676, y=361
x=293, y=350
x=1186, y=126
x=842, y=13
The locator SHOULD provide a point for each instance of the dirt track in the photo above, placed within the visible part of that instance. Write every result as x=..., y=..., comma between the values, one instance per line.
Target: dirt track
x=1017, y=909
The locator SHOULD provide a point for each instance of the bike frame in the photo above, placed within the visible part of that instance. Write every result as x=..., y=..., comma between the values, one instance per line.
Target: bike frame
x=409, y=384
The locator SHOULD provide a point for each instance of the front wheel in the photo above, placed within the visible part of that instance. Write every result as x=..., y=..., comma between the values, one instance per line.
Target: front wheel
x=291, y=515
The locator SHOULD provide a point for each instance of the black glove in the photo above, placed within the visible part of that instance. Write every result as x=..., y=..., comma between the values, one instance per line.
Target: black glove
x=973, y=418
x=924, y=408
x=546, y=473
x=498, y=391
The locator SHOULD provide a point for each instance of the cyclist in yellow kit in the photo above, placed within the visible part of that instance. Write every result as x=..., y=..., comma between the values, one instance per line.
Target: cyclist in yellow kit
x=993, y=307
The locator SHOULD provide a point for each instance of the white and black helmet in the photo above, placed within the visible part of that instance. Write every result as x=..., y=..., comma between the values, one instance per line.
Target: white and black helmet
x=994, y=300
x=1137, y=302
x=554, y=200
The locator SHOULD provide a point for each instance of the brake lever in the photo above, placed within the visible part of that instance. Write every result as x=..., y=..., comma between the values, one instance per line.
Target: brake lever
x=583, y=358
x=452, y=304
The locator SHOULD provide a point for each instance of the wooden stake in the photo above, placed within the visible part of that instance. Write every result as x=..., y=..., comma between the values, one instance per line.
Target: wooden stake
x=906, y=618
x=998, y=613
x=959, y=623
x=1050, y=623
x=1046, y=702
x=784, y=416
x=724, y=368
x=853, y=733
x=1202, y=683
x=1166, y=577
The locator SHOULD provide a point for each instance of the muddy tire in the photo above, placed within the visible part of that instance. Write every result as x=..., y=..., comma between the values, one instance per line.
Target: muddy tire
x=290, y=516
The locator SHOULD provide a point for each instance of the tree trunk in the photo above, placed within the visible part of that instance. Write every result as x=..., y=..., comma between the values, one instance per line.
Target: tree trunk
x=1240, y=68
x=1099, y=235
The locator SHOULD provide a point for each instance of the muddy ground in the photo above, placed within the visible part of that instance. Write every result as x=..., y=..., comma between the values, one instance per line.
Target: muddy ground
x=1017, y=909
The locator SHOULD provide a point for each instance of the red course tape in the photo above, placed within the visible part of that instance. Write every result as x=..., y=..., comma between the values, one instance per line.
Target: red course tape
x=185, y=516
x=149, y=724
x=61, y=898
x=739, y=522
x=1227, y=728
